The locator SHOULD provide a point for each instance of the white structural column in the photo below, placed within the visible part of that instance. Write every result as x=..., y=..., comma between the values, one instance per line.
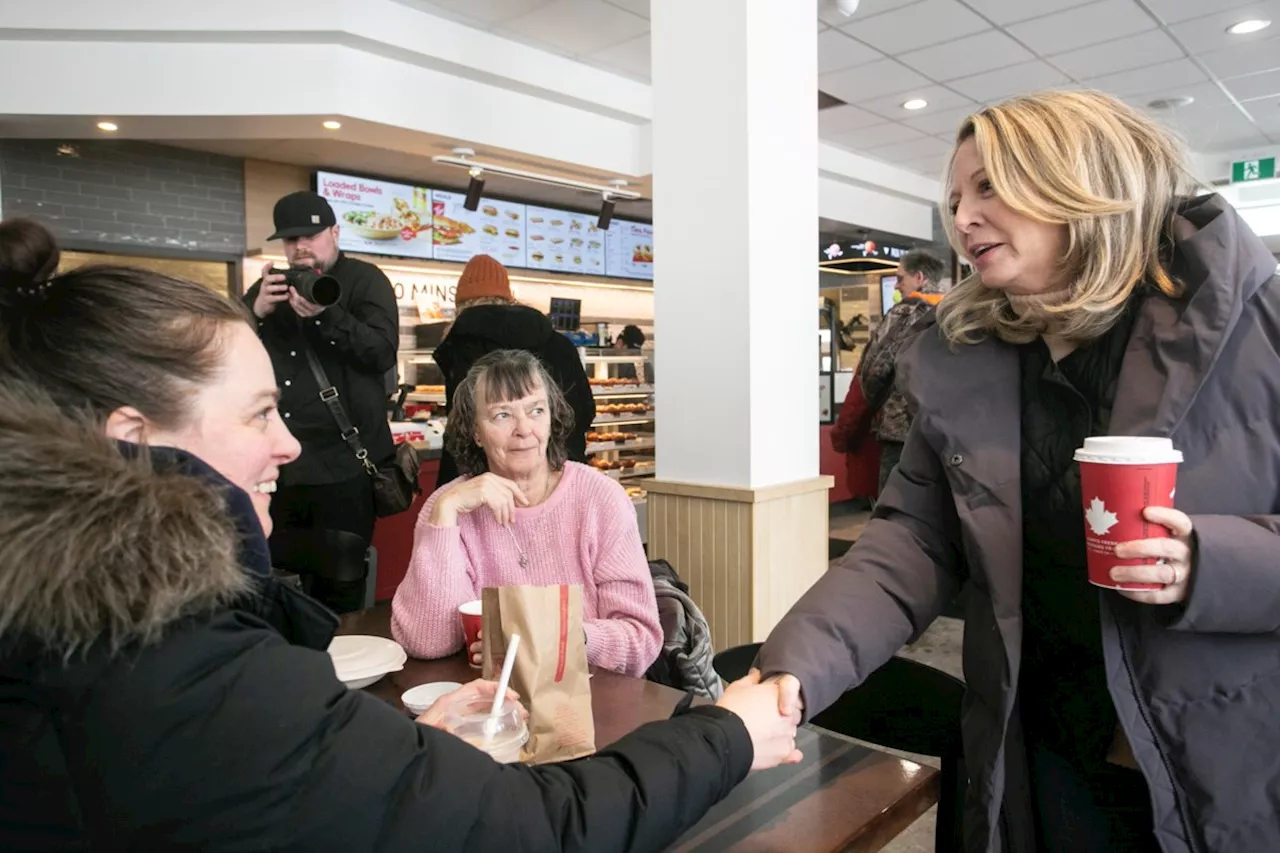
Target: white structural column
x=735, y=165
x=738, y=506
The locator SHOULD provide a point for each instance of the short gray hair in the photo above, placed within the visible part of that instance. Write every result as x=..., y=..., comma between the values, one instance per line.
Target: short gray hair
x=925, y=263
x=503, y=376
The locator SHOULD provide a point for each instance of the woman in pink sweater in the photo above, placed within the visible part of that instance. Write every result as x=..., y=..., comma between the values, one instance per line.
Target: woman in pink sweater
x=525, y=516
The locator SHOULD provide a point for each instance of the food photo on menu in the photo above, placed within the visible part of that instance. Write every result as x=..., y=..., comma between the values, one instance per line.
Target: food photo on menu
x=629, y=250
x=379, y=217
x=495, y=228
x=564, y=241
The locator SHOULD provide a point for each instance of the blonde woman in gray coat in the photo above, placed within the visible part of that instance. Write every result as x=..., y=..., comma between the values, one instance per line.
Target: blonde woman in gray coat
x=1106, y=300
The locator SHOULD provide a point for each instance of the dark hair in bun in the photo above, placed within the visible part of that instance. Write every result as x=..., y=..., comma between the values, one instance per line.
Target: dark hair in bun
x=28, y=257
x=98, y=338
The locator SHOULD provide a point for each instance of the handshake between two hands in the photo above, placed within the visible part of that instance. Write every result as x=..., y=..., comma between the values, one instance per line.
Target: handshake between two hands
x=771, y=711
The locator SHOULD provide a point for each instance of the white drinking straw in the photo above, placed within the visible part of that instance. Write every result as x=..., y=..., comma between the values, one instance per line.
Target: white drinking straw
x=491, y=723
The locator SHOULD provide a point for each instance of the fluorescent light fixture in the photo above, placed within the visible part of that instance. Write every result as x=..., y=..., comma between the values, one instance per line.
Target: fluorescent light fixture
x=915, y=104
x=108, y=126
x=1171, y=103
x=1252, y=25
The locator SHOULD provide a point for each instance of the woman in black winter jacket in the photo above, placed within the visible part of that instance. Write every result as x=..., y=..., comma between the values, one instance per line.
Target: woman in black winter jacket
x=489, y=319
x=160, y=691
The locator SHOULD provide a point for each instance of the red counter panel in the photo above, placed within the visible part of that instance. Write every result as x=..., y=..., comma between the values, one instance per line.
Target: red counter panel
x=393, y=536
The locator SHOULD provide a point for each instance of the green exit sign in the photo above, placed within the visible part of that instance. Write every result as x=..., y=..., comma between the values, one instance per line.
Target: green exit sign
x=1253, y=170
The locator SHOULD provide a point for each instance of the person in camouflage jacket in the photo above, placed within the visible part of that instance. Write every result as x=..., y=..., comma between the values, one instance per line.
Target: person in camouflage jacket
x=921, y=283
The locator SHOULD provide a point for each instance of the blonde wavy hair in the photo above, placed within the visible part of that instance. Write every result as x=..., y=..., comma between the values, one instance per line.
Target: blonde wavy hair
x=1090, y=162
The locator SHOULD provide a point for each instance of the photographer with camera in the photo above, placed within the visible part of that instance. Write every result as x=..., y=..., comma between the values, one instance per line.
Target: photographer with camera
x=344, y=311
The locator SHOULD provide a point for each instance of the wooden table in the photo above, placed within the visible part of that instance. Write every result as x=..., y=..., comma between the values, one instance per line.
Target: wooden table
x=842, y=797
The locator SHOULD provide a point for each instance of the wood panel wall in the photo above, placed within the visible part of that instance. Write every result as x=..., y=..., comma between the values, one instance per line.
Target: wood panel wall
x=747, y=554
x=265, y=183
x=709, y=542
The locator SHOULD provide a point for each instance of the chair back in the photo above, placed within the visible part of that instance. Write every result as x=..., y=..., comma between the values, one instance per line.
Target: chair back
x=334, y=555
x=732, y=664
x=903, y=705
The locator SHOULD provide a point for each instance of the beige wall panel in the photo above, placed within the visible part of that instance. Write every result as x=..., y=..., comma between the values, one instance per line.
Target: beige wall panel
x=747, y=554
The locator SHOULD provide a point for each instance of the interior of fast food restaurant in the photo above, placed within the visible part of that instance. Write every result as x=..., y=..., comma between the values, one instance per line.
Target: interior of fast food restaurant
x=611, y=196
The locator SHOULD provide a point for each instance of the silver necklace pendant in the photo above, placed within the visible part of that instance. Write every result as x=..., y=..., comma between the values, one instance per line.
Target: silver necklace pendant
x=524, y=558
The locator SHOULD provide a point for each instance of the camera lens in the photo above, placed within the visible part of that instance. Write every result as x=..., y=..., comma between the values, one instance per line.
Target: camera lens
x=322, y=290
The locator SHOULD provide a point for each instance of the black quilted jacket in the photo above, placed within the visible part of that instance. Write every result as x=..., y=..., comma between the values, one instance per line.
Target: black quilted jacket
x=1063, y=687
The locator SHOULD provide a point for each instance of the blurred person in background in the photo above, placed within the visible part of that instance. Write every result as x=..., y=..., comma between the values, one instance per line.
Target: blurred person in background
x=160, y=690
x=631, y=338
x=1107, y=299
x=922, y=285
x=852, y=437
x=490, y=319
x=355, y=341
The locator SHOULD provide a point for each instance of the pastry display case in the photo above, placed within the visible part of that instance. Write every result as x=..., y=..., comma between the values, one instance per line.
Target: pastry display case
x=424, y=405
x=621, y=442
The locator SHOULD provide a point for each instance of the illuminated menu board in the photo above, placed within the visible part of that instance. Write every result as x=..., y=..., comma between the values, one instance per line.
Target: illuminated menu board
x=402, y=220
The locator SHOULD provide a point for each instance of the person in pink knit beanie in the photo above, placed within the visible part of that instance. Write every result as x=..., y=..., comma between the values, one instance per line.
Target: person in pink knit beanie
x=523, y=515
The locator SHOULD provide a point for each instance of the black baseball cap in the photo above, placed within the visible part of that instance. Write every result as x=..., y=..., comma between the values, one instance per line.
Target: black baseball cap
x=302, y=214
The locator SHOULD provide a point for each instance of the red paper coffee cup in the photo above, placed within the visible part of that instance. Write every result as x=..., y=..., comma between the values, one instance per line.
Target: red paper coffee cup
x=469, y=613
x=1120, y=476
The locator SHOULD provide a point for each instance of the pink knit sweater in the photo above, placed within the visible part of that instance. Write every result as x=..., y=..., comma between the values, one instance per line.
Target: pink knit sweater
x=585, y=533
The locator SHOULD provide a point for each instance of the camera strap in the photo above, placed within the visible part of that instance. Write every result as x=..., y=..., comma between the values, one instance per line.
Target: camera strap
x=329, y=396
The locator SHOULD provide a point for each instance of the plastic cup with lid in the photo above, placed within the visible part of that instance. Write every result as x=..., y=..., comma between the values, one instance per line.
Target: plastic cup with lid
x=505, y=736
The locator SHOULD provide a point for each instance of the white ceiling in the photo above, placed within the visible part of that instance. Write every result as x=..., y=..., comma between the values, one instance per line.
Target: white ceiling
x=961, y=54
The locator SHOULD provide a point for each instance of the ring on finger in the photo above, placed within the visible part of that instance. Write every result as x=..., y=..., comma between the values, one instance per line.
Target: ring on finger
x=1173, y=570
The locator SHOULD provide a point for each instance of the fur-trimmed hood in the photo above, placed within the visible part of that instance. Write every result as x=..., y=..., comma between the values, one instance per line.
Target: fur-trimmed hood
x=99, y=547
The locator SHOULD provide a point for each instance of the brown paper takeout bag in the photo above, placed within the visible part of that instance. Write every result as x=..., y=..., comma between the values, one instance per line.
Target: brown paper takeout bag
x=550, y=672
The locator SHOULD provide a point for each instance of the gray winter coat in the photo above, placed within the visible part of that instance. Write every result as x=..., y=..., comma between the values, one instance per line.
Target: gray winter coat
x=1197, y=685
x=686, y=660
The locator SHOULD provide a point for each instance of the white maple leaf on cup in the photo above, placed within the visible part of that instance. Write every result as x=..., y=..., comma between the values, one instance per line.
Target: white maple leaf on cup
x=1099, y=518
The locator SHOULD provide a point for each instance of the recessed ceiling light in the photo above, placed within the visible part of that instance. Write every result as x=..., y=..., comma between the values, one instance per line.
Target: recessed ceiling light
x=1171, y=103
x=108, y=126
x=915, y=104
x=1250, y=26
x=332, y=125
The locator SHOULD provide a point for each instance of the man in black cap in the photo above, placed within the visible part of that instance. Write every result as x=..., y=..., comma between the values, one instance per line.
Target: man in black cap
x=355, y=340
